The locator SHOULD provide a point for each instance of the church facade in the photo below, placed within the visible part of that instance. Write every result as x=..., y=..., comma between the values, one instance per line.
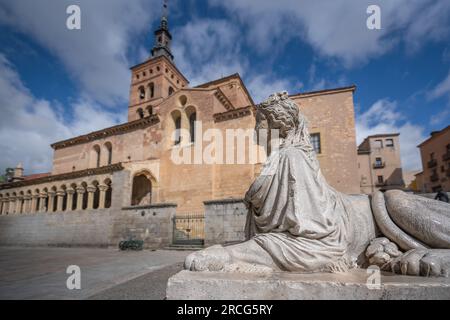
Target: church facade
x=131, y=165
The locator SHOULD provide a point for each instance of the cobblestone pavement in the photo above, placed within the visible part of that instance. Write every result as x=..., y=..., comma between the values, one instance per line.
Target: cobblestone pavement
x=40, y=273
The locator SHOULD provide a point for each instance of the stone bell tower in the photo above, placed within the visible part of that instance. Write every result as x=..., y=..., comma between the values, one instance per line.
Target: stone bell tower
x=156, y=79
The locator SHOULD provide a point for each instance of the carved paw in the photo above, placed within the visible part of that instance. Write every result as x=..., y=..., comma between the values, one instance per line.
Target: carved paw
x=214, y=258
x=422, y=262
x=381, y=252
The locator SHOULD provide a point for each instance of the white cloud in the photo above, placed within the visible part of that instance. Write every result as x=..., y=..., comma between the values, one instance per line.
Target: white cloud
x=209, y=49
x=28, y=125
x=338, y=28
x=443, y=88
x=96, y=55
x=383, y=117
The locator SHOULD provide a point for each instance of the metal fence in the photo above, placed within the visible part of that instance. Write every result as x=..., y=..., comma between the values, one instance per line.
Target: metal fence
x=189, y=229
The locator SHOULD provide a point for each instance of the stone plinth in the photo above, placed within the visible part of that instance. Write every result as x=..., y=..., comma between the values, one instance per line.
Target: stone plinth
x=188, y=285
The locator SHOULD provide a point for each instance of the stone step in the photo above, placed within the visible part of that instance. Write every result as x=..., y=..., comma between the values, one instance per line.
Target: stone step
x=181, y=247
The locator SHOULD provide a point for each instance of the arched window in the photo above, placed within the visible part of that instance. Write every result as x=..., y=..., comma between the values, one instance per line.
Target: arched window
x=177, y=122
x=151, y=90
x=96, y=195
x=170, y=91
x=108, y=195
x=38, y=200
x=74, y=197
x=142, y=191
x=192, y=120
x=141, y=93
x=95, y=157
x=108, y=149
x=140, y=113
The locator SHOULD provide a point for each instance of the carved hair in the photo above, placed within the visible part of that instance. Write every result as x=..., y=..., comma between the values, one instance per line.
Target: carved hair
x=283, y=113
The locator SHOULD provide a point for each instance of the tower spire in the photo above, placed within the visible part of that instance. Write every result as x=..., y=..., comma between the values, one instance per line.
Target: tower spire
x=163, y=37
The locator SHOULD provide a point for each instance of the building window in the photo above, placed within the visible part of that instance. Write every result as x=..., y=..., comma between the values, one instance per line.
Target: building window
x=170, y=91
x=141, y=93
x=389, y=142
x=378, y=143
x=380, y=179
x=432, y=156
x=151, y=89
x=177, y=130
x=140, y=112
x=378, y=162
x=315, y=141
x=192, y=120
x=150, y=110
x=108, y=149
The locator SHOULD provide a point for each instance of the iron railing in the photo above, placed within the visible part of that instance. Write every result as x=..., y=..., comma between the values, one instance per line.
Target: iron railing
x=189, y=229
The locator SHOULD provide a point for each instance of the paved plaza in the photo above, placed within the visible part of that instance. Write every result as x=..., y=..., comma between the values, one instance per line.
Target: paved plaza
x=40, y=273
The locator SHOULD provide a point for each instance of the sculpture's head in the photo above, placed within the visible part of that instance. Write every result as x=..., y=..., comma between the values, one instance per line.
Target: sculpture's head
x=282, y=113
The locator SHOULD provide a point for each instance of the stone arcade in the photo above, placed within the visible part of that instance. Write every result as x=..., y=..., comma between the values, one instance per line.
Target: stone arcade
x=121, y=182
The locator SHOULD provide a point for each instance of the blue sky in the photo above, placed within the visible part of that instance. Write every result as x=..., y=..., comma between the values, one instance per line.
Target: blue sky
x=56, y=83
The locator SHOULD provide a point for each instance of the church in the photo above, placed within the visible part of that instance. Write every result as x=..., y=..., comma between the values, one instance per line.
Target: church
x=101, y=182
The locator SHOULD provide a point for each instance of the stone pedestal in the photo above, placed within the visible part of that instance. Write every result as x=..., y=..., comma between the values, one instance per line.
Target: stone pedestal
x=352, y=285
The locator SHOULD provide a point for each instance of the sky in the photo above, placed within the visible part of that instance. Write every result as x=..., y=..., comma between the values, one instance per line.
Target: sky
x=57, y=83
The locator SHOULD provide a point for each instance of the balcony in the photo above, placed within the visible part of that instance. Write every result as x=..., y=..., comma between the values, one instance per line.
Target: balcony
x=434, y=178
x=446, y=156
x=379, y=165
x=432, y=163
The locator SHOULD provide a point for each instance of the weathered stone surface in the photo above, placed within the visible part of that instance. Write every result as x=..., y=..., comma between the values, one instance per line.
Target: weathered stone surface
x=352, y=285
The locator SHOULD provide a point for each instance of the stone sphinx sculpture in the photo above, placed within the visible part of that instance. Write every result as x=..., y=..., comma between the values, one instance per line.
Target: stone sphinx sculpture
x=297, y=222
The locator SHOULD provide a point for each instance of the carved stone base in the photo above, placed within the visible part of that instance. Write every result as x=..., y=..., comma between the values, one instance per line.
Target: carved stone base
x=188, y=285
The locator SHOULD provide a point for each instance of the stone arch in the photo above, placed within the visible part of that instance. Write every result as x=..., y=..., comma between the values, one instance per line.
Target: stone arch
x=108, y=195
x=191, y=114
x=37, y=194
x=54, y=191
x=74, y=197
x=63, y=188
x=85, y=195
x=140, y=113
x=107, y=153
x=175, y=127
x=46, y=200
x=151, y=90
x=141, y=93
x=19, y=204
x=96, y=200
x=141, y=193
x=28, y=203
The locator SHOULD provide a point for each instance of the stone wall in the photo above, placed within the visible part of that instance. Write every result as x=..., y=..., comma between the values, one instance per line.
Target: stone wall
x=97, y=228
x=153, y=224
x=224, y=221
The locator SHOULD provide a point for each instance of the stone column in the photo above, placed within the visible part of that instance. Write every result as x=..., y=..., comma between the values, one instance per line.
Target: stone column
x=51, y=201
x=5, y=205
x=27, y=204
x=60, y=200
x=69, y=204
x=90, y=204
x=34, y=198
x=42, y=207
x=12, y=205
x=80, y=193
x=19, y=205
x=102, y=199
